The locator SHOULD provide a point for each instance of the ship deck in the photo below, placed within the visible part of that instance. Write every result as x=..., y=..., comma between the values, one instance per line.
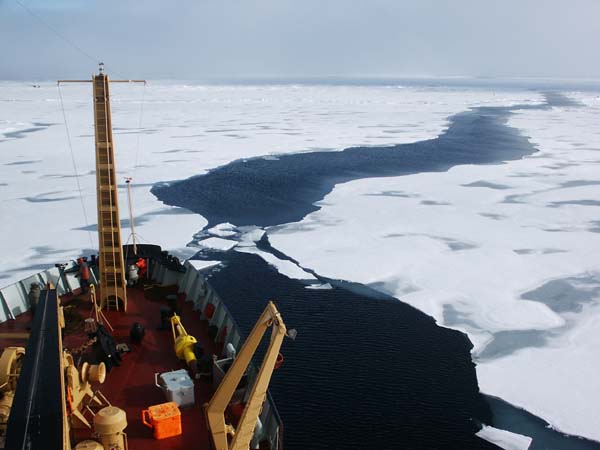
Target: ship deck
x=131, y=386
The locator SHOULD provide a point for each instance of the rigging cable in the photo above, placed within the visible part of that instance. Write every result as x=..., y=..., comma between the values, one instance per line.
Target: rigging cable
x=135, y=164
x=56, y=32
x=137, y=151
x=61, y=36
x=87, y=225
x=143, y=238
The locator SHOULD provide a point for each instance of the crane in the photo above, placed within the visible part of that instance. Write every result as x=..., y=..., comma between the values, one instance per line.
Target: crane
x=215, y=410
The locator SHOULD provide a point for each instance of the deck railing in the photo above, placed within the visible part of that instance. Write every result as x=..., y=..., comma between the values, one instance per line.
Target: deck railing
x=14, y=300
x=199, y=291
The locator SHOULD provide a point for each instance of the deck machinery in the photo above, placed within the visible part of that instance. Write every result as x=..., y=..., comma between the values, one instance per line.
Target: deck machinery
x=50, y=399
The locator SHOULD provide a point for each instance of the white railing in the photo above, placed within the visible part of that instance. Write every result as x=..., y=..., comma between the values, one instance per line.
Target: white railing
x=199, y=291
x=14, y=298
x=14, y=301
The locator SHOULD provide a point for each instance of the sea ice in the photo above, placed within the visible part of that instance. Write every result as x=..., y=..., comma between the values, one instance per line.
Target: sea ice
x=325, y=286
x=223, y=230
x=216, y=243
x=202, y=264
x=462, y=246
x=470, y=256
x=505, y=439
x=185, y=130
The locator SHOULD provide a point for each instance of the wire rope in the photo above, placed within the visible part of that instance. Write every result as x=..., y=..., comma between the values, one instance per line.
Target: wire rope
x=139, y=136
x=56, y=32
x=61, y=36
x=87, y=224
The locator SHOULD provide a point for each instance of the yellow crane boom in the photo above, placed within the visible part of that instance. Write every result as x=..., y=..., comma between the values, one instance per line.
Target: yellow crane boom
x=242, y=435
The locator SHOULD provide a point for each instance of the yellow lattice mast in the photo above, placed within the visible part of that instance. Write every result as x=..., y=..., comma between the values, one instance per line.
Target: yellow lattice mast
x=112, y=266
x=112, y=290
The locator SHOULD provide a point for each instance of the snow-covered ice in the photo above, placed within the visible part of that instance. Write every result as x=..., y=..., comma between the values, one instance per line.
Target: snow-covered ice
x=203, y=264
x=472, y=247
x=216, y=243
x=223, y=230
x=505, y=439
x=325, y=286
x=178, y=131
x=285, y=267
x=506, y=253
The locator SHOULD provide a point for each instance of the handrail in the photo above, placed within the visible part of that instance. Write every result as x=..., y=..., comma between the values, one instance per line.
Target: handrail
x=14, y=298
x=273, y=428
x=14, y=301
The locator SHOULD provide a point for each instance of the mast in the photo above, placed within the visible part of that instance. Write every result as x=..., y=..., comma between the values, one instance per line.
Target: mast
x=111, y=263
x=112, y=266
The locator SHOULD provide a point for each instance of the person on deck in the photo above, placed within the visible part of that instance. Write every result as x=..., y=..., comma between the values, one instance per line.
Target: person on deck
x=34, y=297
x=142, y=268
x=132, y=275
x=84, y=275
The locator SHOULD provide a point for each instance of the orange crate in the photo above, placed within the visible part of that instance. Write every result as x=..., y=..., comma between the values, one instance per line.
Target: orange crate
x=164, y=419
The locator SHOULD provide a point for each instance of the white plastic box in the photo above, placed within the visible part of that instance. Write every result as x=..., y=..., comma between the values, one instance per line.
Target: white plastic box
x=177, y=386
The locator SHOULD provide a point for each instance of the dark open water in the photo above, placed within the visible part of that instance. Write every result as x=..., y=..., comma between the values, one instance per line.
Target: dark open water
x=267, y=192
x=364, y=372
x=367, y=371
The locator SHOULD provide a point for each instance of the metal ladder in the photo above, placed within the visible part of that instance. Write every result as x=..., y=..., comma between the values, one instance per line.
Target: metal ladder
x=112, y=267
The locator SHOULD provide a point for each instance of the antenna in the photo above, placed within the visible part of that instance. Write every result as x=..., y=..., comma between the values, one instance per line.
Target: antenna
x=131, y=224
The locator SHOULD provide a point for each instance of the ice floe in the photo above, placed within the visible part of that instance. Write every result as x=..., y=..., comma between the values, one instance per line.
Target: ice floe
x=464, y=246
x=473, y=254
x=285, y=267
x=324, y=286
x=505, y=439
x=216, y=243
x=223, y=230
x=203, y=264
x=186, y=130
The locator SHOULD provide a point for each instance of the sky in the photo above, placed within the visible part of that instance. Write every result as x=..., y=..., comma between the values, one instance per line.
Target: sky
x=228, y=39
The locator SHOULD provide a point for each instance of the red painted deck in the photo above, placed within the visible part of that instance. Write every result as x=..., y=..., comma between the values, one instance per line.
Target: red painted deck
x=131, y=385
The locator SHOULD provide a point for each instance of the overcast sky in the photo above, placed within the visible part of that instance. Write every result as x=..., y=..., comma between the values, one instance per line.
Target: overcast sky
x=201, y=39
